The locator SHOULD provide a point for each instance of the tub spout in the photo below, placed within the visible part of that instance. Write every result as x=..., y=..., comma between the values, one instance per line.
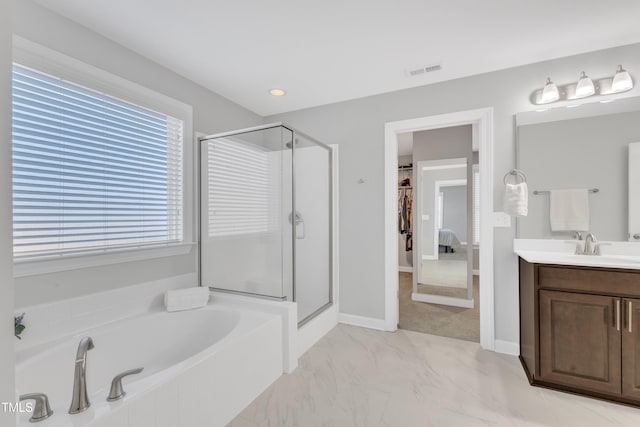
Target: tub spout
x=80, y=399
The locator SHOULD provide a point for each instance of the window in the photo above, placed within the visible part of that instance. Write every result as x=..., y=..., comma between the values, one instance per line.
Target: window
x=476, y=205
x=91, y=172
x=243, y=192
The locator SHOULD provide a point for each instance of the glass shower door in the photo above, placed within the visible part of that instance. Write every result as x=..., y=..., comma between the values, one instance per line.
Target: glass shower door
x=246, y=243
x=312, y=226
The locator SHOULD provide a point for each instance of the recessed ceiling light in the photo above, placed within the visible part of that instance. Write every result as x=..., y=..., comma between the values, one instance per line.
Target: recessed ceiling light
x=277, y=92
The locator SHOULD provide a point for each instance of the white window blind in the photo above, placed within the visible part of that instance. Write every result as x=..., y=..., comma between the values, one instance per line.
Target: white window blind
x=476, y=205
x=91, y=172
x=242, y=196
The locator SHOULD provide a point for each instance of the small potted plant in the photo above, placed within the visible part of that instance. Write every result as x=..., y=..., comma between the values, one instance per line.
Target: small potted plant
x=19, y=327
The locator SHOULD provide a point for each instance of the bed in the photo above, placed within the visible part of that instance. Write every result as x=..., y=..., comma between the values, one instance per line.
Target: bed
x=448, y=239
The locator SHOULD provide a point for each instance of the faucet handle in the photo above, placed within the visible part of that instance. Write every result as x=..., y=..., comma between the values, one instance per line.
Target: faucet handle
x=116, y=392
x=596, y=247
x=579, y=249
x=42, y=410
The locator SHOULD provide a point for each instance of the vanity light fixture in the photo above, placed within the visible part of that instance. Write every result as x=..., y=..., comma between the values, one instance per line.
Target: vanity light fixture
x=277, y=92
x=621, y=81
x=550, y=92
x=585, y=86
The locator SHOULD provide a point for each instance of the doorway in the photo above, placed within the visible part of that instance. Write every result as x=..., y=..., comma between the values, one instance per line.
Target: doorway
x=482, y=124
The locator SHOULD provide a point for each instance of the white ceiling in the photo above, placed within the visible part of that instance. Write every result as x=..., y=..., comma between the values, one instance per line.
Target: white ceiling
x=333, y=50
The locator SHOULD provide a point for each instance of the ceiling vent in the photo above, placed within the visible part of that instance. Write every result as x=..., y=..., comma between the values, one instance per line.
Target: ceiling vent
x=419, y=71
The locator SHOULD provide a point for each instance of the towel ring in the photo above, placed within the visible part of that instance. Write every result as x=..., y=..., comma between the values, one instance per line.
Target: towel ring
x=516, y=174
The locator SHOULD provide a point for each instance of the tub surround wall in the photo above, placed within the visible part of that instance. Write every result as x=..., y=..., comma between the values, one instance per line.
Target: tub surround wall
x=73, y=315
x=286, y=309
x=357, y=126
x=7, y=339
x=211, y=113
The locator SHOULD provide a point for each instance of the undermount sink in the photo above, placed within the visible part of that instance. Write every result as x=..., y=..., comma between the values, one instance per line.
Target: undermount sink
x=548, y=251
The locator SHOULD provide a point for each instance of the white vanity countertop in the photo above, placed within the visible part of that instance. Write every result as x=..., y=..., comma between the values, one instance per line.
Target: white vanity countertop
x=549, y=251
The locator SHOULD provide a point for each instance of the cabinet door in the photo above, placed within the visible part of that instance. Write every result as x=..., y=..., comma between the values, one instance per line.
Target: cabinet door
x=580, y=341
x=631, y=349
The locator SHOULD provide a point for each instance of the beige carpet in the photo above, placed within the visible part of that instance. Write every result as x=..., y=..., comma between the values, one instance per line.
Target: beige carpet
x=443, y=320
x=450, y=269
x=452, y=273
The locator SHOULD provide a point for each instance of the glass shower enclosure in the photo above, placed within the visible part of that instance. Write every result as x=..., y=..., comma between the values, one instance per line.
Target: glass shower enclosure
x=266, y=216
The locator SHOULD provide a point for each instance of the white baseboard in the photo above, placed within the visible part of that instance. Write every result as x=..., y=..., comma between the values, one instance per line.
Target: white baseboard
x=405, y=269
x=438, y=299
x=476, y=272
x=362, y=321
x=429, y=257
x=507, y=347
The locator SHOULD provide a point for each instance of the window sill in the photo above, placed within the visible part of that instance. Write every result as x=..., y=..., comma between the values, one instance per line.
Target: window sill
x=53, y=264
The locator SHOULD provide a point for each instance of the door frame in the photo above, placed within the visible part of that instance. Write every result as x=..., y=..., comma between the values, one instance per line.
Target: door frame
x=482, y=122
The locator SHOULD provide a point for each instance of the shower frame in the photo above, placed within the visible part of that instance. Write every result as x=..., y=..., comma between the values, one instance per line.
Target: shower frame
x=331, y=184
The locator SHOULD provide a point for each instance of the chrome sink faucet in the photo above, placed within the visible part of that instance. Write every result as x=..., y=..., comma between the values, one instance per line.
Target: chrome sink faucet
x=80, y=399
x=591, y=246
x=588, y=241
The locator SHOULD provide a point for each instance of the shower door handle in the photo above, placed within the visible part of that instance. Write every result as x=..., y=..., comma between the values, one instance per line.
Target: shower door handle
x=299, y=221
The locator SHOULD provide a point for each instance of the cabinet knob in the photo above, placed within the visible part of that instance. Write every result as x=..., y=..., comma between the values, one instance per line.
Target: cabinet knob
x=636, y=236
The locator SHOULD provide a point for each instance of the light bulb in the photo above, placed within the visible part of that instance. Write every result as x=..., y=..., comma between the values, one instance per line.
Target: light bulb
x=550, y=92
x=584, y=87
x=621, y=80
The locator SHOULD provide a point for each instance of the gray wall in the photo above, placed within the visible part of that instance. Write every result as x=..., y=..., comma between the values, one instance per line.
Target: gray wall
x=455, y=210
x=446, y=143
x=211, y=113
x=358, y=127
x=569, y=154
x=7, y=393
x=404, y=257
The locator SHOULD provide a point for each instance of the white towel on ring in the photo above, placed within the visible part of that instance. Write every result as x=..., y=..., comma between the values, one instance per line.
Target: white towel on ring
x=516, y=199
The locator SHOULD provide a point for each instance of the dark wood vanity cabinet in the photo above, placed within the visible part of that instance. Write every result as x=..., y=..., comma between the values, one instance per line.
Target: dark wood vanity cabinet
x=580, y=330
x=579, y=343
x=631, y=349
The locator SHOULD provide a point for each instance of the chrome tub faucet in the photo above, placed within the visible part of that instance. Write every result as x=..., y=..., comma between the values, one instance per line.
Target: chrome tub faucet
x=41, y=409
x=80, y=399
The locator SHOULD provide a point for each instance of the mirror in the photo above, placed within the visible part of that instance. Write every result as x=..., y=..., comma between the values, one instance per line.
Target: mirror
x=582, y=147
x=443, y=266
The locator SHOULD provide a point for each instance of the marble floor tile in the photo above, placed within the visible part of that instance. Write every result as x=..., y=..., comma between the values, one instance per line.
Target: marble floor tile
x=362, y=377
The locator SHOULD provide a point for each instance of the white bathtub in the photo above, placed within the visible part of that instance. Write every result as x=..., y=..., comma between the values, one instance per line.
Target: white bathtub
x=201, y=368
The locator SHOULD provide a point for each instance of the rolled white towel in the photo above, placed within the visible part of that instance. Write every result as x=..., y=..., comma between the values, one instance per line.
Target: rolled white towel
x=186, y=299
